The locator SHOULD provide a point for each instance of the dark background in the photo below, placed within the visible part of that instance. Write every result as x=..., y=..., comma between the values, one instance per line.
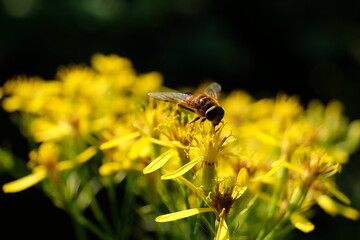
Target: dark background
x=307, y=48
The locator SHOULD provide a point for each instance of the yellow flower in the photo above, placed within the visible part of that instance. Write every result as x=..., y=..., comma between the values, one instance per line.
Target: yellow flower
x=211, y=144
x=45, y=164
x=207, y=148
x=226, y=193
x=122, y=153
x=179, y=136
x=148, y=82
x=73, y=121
x=236, y=115
x=282, y=155
x=28, y=94
x=287, y=107
x=152, y=122
x=179, y=140
x=110, y=64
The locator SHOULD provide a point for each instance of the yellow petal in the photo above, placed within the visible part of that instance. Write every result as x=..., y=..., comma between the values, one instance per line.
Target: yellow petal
x=349, y=212
x=238, y=191
x=50, y=134
x=180, y=145
x=158, y=162
x=140, y=149
x=267, y=175
x=333, y=208
x=67, y=164
x=266, y=138
x=23, y=183
x=110, y=167
x=182, y=214
x=161, y=143
x=82, y=157
x=223, y=230
x=302, y=223
x=118, y=141
x=339, y=195
x=292, y=167
x=182, y=170
x=190, y=185
x=86, y=155
x=242, y=177
x=327, y=204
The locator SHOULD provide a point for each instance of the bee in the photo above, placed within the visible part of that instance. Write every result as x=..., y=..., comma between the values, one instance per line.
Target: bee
x=205, y=105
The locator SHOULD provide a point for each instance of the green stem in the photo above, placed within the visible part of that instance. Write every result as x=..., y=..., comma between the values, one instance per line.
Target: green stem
x=295, y=203
x=276, y=198
x=196, y=227
x=99, y=216
x=209, y=226
x=279, y=190
x=79, y=230
x=208, y=176
x=113, y=201
x=93, y=228
x=89, y=225
x=126, y=209
x=166, y=197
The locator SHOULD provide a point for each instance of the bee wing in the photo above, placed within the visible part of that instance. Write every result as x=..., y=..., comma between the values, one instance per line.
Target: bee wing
x=169, y=96
x=213, y=90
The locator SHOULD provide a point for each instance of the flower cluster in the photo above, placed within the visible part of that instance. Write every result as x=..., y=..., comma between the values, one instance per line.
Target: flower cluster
x=92, y=128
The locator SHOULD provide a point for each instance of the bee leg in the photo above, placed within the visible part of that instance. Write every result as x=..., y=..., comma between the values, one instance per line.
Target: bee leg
x=192, y=121
x=215, y=127
x=177, y=110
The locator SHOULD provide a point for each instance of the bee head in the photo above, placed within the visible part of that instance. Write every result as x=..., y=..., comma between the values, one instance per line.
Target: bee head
x=215, y=114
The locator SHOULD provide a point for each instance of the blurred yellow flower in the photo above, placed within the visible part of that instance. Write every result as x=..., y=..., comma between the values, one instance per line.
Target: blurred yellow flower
x=256, y=175
x=110, y=64
x=45, y=163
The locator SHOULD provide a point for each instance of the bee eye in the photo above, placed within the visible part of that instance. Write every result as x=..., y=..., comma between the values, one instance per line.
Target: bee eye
x=214, y=112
